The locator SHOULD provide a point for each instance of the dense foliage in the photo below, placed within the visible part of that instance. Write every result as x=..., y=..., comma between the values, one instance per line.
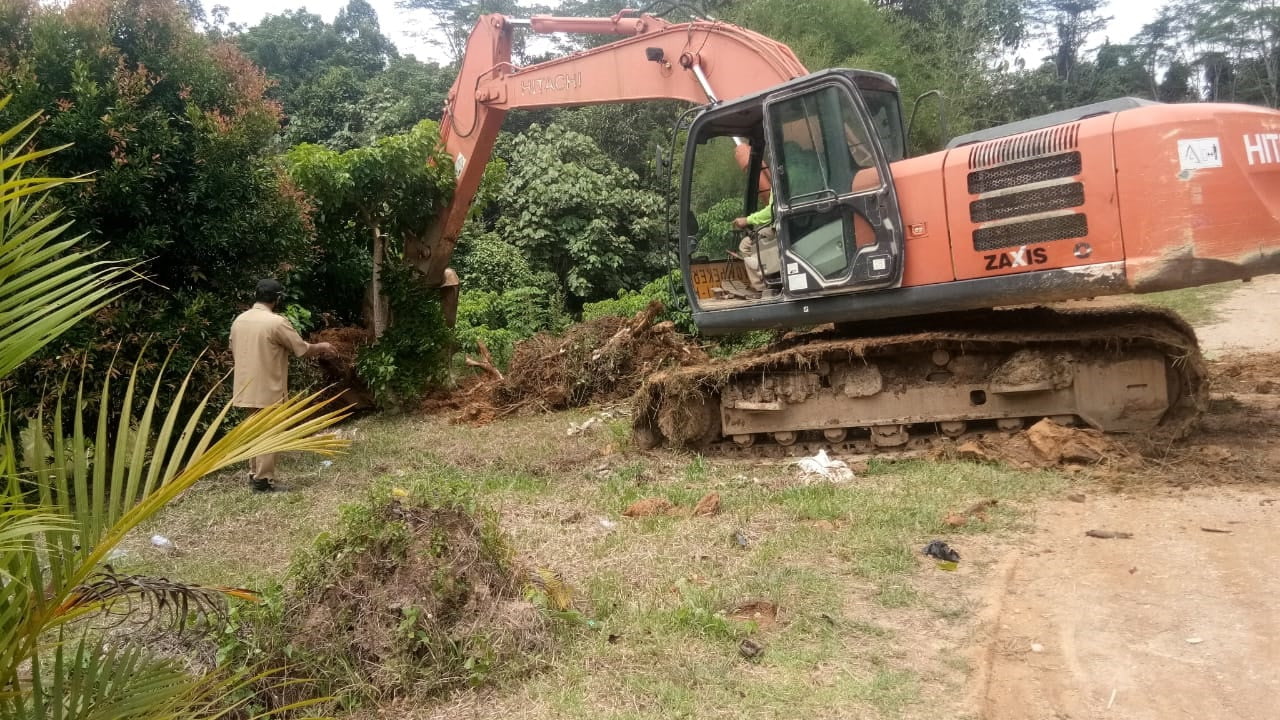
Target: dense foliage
x=342, y=84
x=573, y=211
x=368, y=203
x=173, y=127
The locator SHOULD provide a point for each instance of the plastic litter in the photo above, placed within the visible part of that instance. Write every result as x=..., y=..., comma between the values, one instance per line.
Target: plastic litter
x=821, y=466
x=608, y=524
x=161, y=542
x=326, y=463
x=585, y=425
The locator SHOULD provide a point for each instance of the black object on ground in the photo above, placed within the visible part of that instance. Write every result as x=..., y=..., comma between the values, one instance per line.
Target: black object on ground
x=942, y=551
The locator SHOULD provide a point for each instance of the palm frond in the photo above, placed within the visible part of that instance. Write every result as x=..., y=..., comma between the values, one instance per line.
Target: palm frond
x=46, y=283
x=143, y=466
x=146, y=599
x=86, y=680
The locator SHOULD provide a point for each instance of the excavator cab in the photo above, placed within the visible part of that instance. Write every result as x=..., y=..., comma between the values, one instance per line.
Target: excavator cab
x=816, y=151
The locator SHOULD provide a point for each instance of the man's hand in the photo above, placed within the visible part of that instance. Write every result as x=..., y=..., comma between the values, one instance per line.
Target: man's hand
x=322, y=349
x=740, y=223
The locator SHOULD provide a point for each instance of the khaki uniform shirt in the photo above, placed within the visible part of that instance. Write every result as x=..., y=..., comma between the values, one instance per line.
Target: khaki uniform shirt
x=261, y=342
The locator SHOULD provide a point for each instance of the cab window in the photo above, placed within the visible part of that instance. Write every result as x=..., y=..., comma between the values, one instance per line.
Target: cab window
x=717, y=195
x=820, y=145
x=886, y=118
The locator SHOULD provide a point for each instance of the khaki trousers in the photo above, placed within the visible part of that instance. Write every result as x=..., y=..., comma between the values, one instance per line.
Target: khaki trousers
x=751, y=256
x=262, y=466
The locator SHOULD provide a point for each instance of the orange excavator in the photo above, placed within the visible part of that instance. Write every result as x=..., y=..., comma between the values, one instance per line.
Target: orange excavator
x=917, y=274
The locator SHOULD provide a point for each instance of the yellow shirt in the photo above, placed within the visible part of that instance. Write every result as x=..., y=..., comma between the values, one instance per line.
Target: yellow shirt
x=261, y=342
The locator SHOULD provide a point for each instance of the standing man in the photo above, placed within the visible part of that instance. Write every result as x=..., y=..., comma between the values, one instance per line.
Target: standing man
x=261, y=342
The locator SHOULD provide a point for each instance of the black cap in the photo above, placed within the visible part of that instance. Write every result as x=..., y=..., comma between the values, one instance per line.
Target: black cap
x=268, y=290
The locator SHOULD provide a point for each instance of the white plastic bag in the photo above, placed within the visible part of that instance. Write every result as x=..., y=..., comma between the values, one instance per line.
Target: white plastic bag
x=821, y=467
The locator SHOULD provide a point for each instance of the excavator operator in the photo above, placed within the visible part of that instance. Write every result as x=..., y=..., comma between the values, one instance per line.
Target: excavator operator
x=753, y=246
x=759, y=250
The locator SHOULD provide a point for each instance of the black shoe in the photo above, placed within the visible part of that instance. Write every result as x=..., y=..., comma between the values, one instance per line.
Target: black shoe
x=262, y=485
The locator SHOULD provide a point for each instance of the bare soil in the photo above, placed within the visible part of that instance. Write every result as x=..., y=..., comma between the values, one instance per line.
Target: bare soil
x=1179, y=620
x=1245, y=320
x=1174, y=622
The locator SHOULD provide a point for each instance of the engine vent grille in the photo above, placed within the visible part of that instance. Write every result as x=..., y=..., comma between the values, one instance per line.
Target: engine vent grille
x=1049, y=141
x=1060, y=227
x=1027, y=202
x=1025, y=172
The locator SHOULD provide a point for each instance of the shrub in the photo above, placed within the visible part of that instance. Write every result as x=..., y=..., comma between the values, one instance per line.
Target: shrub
x=668, y=289
x=500, y=320
x=413, y=352
x=418, y=592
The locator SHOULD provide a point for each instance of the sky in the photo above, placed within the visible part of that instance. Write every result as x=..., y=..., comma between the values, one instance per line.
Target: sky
x=410, y=30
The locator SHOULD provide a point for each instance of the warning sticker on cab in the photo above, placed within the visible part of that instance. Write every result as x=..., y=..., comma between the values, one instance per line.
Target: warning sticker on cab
x=1199, y=153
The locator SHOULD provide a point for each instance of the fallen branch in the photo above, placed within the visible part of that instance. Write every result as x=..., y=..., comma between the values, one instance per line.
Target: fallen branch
x=485, y=362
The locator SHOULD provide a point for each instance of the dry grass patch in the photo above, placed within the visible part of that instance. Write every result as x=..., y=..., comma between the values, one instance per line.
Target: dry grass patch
x=865, y=627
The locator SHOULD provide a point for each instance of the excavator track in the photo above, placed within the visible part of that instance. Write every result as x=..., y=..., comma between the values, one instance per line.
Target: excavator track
x=905, y=384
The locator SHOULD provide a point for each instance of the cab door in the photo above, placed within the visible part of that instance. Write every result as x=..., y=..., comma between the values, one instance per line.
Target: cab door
x=835, y=207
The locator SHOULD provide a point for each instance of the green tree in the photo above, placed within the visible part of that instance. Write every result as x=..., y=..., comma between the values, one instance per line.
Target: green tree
x=64, y=510
x=954, y=47
x=633, y=135
x=342, y=84
x=381, y=197
x=454, y=20
x=1067, y=25
x=404, y=94
x=174, y=128
x=1237, y=44
x=573, y=212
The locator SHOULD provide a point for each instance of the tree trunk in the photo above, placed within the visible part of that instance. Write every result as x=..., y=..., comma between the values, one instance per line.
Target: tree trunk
x=379, y=304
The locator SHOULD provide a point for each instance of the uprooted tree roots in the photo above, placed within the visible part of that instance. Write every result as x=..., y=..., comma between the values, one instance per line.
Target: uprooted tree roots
x=596, y=361
x=338, y=371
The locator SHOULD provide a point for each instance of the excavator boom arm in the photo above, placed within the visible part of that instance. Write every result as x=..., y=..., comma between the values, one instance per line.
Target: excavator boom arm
x=699, y=62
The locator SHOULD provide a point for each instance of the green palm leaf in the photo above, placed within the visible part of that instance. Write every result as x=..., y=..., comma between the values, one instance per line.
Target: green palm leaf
x=46, y=283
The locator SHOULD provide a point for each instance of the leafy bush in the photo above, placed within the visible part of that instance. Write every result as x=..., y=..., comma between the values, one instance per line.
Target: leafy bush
x=486, y=262
x=413, y=353
x=668, y=289
x=500, y=320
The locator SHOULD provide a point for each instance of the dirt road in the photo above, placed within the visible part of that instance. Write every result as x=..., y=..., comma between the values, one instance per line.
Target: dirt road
x=1247, y=320
x=1175, y=622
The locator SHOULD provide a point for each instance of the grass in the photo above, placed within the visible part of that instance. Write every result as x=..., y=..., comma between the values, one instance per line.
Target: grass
x=867, y=627
x=1197, y=305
